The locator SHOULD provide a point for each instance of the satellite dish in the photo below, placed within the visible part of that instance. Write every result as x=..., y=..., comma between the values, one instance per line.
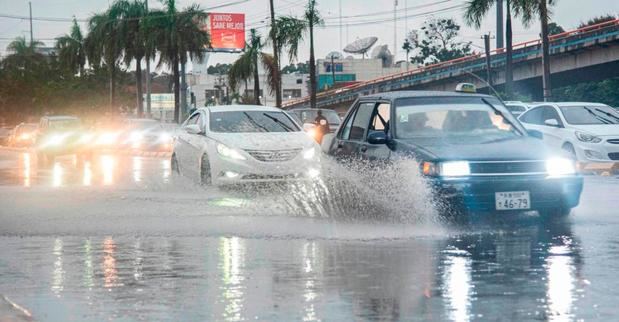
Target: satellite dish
x=350, y=57
x=383, y=53
x=360, y=46
x=334, y=55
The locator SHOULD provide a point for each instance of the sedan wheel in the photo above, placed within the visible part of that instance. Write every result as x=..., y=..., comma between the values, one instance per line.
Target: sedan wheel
x=205, y=171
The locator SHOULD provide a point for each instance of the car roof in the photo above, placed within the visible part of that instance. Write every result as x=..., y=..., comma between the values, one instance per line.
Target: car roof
x=232, y=108
x=406, y=94
x=60, y=118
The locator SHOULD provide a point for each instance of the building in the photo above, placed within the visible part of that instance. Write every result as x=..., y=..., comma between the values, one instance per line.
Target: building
x=213, y=89
x=350, y=70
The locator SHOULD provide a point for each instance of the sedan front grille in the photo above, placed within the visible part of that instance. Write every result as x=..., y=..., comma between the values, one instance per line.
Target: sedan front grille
x=613, y=141
x=614, y=156
x=488, y=168
x=274, y=155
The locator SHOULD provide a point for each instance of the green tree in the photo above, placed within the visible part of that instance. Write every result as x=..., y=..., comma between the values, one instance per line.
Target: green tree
x=130, y=19
x=313, y=19
x=103, y=48
x=71, y=50
x=176, y=35
x=439, y=42
x=24, y=60
x=555, y=29
x=218, y=69
x=407, y=46
x=597, y=20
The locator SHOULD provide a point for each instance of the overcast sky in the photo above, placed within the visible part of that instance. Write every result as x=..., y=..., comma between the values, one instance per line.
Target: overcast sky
x=567, y=13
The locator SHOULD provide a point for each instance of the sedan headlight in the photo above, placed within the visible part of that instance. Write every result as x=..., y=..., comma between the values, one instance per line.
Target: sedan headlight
x=455, y=169
x=560, y=167
x=588, y=138
x=309, y=154
x=56, y=140
x=229, y=152
x=165, y=137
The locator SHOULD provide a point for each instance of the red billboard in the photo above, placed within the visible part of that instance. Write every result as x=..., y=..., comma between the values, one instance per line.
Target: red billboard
x=227, y=31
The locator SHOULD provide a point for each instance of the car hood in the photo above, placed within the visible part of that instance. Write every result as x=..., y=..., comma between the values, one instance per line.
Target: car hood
x=522, y=148
x=600, y=130
x=265, y=141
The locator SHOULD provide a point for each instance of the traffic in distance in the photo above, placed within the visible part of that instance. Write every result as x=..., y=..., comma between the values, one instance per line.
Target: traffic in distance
x=475, y=152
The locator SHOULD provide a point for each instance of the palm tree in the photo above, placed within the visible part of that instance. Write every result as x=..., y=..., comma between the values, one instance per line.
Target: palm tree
x=407, y=46
x=71, y=50
x=24, y=59
x=174, y=34
x=313, y=18
x=247, y=65
x=274, y=33
x=103, y=47
x=475, y=12
x=129, y=15
x=529, y=9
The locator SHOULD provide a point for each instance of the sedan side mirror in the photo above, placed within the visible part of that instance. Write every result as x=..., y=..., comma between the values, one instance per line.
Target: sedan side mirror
x=552, y=122
x=536, y=134
x=193, y=129
x=378, y=138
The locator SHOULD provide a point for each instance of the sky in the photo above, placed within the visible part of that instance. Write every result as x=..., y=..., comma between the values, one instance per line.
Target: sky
x=359, y=19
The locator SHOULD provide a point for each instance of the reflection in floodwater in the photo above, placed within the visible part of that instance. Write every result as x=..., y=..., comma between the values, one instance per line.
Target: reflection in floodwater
x=232, y=252
x=310, y=295
x=87, y=178
x=107, y=167
x=560, y=294
x=89, y=271
x=57, y=173
x=167, y=170
x=110, y=273
x=457, y=284
x=26, y=165
x=58, y=272
x=137, y=168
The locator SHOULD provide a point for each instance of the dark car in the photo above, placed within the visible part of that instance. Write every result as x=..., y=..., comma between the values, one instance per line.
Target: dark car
x=61, y=135
x=473, y=152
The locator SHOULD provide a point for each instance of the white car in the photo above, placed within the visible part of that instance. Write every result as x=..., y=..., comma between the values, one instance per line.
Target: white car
x=244, y=144
x=587, y=131
x=516, y=107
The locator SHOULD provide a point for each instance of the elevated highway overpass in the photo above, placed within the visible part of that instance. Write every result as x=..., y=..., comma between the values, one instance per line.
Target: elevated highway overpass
x=586, y=54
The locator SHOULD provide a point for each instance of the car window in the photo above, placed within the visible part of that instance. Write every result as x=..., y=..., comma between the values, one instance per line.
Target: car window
x=533, y=116
x=361, y=122
x=345, y=134
x=590, y=115
x=193, y=119
x=549, y=113
x=380, y=120
x=516, y=108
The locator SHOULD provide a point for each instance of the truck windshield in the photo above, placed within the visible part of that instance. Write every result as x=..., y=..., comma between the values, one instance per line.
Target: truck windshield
x=454, y=119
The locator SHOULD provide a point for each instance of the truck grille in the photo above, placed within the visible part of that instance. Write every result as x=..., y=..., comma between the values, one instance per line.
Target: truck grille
x=274, y=155
x=507, y=167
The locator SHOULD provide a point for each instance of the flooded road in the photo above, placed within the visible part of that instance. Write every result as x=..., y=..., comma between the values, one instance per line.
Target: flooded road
x=120, y=238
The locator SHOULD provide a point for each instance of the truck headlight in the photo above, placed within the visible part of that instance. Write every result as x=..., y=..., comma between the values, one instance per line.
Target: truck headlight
x=309, y=154
x=229, y=152
x=587, y=138
x=455, y=169
x=560, y=167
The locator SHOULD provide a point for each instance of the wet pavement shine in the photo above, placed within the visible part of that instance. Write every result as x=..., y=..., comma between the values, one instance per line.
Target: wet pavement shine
x=119, y=238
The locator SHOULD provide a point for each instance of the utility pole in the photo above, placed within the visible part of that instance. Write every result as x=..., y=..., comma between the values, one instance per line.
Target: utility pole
x=148, y=89
x=395, y=30
x=341, y=45
x=333, y=70
x=499, y=24
x=31, y=33
x=488, y=64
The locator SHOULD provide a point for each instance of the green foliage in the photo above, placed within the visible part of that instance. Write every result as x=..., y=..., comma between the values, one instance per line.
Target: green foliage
x=555, y=29
x=437, y=41
x=302, y=68
x=597, y=20
x=606, y=91
x=219, y=69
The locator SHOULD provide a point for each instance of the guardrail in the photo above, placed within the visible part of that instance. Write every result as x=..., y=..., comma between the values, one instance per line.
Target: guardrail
x=460, y=62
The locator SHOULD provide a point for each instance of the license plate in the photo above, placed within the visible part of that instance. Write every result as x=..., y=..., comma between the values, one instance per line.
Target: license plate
x=512, y=200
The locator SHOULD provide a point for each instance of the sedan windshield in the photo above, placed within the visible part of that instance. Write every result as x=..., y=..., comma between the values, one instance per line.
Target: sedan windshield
x=251, y=121
x=456, y=120
x=590, y=115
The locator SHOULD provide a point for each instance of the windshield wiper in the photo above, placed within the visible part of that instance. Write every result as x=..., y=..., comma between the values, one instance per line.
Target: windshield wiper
x=608, y=114
x=264, y=129
x=274, y=119
x=500, y=113
x=599, y=118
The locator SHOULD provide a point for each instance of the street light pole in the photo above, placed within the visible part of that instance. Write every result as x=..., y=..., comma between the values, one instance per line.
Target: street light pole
x=31, y=33
x=148, y=89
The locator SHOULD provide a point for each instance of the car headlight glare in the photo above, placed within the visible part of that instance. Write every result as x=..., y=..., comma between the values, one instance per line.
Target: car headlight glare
x=309, y=154
x=136, y=136
x=560, y=167
x=455, y=169
x=588, y=138
x=229, y=153
x=165, y=137
x=55, y=140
